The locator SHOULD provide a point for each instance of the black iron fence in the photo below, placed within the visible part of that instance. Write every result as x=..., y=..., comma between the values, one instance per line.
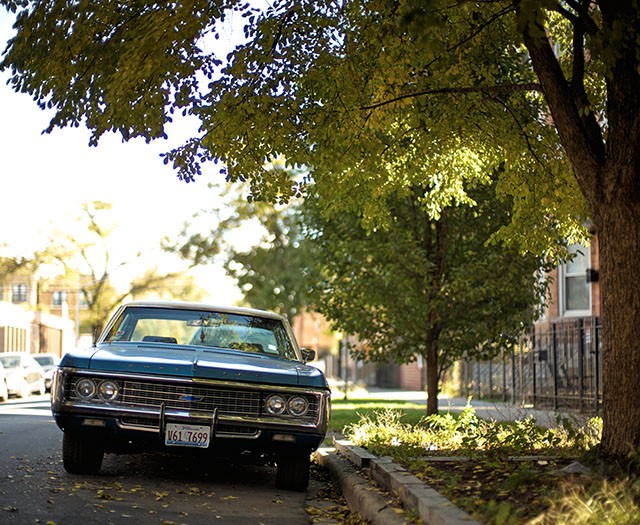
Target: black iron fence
x=556, y=365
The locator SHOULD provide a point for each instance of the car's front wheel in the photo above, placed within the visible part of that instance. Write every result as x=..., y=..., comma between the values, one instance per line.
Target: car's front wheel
x=293, y=473
x=81, y=455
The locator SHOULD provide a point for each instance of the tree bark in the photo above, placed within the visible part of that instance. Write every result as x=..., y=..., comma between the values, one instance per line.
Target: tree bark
x=432, y=378
x=609, y=179
x=619, y=238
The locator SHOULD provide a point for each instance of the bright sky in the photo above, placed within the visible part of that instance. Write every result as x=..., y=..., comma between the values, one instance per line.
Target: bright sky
x=44, y=178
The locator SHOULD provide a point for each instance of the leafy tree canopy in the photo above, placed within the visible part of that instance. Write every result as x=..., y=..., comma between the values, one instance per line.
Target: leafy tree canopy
x=423, y=287
x=358, y=93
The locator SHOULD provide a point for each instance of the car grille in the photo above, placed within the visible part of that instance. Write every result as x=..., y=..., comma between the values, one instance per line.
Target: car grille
x=233, y=402
x=228, y=401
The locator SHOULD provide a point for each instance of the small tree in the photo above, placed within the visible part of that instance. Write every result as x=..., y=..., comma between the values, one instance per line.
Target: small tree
x=430, y=287
x=92, y=260
x=269, y=273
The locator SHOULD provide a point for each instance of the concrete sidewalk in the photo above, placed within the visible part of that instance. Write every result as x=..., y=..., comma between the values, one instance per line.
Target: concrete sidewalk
x=494, y=410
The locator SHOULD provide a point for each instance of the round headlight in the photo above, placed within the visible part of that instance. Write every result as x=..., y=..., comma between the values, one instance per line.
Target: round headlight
x=298, y=406
x=275, y=404
x=108, y=390
x=86, y=388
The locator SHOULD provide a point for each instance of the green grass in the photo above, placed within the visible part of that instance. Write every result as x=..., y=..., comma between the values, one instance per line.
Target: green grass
x=349, y=412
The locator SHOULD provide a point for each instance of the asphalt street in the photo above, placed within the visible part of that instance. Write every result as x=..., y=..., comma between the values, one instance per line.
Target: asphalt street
x=143, y=488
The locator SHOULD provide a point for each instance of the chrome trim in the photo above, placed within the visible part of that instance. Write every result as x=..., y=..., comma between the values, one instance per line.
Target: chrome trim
x=197, y=380
x=92, y=409
x=218, y=433
x=58, y=403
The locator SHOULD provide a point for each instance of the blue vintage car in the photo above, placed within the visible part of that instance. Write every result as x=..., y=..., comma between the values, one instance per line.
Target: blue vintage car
x=182, y=376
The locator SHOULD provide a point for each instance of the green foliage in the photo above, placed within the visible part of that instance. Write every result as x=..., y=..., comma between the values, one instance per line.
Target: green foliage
x=348, y=412
x=12, y=265
x=369, y=98
x=384, y=434
x=422, y=284
x=89, y=258
x=271, y=272
x=609, y=502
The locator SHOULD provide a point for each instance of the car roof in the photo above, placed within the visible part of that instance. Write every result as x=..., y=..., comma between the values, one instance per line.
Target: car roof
x=204, y=306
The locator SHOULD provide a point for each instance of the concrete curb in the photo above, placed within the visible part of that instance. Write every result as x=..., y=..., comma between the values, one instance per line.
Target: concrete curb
x=358, y=492
x=431, y=506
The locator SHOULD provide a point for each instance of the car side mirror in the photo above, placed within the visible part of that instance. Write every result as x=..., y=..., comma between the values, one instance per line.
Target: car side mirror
x=308, y=354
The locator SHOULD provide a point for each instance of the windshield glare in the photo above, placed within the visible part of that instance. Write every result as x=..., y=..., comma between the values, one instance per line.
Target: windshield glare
x=246, y=333
x=10, y=361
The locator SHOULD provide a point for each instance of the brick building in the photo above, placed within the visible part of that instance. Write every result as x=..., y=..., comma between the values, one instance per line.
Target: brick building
x=35, y=313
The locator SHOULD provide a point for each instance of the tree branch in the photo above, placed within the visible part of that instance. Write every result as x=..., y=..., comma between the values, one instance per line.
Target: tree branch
x=581, y=138
x=524, y=134
x=493, y=90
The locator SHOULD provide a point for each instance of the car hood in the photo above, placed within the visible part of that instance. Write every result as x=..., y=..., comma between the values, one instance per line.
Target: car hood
x=193, y=362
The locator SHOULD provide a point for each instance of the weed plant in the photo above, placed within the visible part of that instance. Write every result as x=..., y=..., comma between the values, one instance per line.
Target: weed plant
x=385, y=434
x=489, y=485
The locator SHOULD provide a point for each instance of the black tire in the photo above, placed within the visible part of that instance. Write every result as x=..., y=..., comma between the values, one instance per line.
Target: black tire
x=293, y=473
x=81, y=455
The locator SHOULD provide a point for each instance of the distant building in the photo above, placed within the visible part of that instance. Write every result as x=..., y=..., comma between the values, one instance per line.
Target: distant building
x=37, y=315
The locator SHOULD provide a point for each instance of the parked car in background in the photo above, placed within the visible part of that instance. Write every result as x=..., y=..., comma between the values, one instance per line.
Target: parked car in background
x=48, y=362
x=4, y=391
x=185, y=377
x=24, y=375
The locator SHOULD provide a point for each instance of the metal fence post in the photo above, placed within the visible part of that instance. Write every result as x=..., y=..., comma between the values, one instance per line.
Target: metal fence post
x=554, y=349
x=491, y=380
x=533, y=365
x=504, y=378
x=581, y=362
x=596, y=329
x=513, y=373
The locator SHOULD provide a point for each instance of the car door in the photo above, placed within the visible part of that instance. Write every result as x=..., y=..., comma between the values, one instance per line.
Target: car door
x=33, y=371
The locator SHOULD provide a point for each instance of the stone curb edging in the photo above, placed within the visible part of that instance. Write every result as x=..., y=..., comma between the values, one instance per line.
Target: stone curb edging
x=431, y=506
x=357, y=491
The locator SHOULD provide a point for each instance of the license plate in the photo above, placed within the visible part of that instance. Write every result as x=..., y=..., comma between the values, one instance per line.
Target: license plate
x=187, y=435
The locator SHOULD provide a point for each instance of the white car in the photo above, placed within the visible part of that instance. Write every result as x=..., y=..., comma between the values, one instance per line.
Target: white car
x=24, y=374
x=48, y=362
x=4, y=391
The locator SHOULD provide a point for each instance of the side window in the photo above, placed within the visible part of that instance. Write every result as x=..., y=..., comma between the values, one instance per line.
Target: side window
x=576, y=289
x=19, y=293
x=59, y=298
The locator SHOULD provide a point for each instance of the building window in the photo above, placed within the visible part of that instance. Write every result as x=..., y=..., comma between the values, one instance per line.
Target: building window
x=577, y=291
x=19, y=293
x=59, y=298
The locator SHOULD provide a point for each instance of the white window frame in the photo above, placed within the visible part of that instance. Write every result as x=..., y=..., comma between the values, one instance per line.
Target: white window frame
x=62, y=297
x=21, y=291
x=562, y=275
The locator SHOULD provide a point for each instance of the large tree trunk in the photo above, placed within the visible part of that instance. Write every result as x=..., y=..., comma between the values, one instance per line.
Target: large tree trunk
x=609, y=177
x=619, y=238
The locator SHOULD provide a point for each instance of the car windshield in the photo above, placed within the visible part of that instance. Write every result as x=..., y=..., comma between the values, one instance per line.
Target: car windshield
x=44, y=360
x=246, y=333
x=10, y=361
